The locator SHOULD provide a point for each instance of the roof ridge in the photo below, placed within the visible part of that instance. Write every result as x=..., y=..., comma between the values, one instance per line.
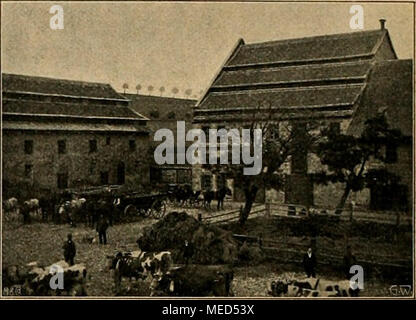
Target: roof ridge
x=23, y=76
x=310, y=38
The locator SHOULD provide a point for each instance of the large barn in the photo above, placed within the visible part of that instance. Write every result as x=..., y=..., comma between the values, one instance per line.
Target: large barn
x=60, y=134
x=336, y=79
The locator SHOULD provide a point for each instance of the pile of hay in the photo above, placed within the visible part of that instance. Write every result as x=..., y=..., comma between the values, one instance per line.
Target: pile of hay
x=210, y=244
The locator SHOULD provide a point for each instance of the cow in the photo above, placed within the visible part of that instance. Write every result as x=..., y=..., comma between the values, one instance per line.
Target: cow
x=139, y=265
x=73, y=210
x=194, y=281
x=311, y=287
x=10, y=207
x=218, y=195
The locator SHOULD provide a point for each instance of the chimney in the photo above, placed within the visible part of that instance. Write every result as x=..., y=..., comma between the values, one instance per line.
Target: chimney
x=382, y=24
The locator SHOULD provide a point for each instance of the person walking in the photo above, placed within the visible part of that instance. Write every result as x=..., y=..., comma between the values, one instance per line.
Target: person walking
x=102, y=226
x=69, y=250
x=309, y=263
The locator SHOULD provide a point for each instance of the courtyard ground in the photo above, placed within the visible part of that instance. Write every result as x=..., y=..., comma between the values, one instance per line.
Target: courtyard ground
x=43, y=243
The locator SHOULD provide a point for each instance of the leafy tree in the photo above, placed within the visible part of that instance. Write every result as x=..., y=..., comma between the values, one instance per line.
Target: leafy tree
x=138, y=88
x=125, y=87
x=161, y=90
x=280, y=140
x=347, y=157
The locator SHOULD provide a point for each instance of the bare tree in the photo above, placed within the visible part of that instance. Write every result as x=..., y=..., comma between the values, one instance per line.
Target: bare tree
x=150, y=88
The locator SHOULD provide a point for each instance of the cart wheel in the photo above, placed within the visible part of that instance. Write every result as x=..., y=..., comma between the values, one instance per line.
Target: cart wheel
x=159, y=209
x=130, y=210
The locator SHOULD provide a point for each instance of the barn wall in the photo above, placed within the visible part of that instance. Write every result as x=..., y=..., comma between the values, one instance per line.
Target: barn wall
x=81, y=165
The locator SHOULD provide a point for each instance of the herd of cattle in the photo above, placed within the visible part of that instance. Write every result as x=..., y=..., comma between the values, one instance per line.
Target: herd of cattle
x=167, y=279
x=73, y=208
x=64, y=209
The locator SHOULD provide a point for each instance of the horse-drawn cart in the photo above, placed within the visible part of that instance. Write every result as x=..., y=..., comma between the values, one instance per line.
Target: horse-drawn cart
x=146, y=205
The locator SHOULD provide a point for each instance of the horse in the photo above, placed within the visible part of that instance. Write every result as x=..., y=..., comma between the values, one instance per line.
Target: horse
x=218, y=195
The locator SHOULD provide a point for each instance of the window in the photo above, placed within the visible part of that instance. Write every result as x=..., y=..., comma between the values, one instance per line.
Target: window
x=171, y=115
x=108, y=141
x=61, y=146
x=28, y=146
x=104, y=177
x=335, y=128
x=154, y=114
x=28, y=170
x=391, y=153
x=63, y=180
x=132, y=145
x=93, y=146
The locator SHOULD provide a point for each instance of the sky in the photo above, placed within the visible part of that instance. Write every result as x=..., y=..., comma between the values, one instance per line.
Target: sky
x=169, y=44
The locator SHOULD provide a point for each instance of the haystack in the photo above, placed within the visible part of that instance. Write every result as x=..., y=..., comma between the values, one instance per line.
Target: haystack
x=210, y=244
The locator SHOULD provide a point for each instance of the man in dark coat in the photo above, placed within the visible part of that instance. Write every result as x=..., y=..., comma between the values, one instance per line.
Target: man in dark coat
x=309, y=263
x=188, y=251
x=69, y=250
x=102, y=226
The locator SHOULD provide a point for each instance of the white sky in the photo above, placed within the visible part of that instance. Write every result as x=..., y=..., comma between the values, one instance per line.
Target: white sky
x=169, y=44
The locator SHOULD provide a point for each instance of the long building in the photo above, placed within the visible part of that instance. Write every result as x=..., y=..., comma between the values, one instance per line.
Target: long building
x=338, y=80
x=60, y=134
x=164, y=113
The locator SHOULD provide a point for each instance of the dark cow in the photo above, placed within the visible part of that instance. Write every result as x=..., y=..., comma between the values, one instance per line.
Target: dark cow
x=194, y=281
x=139, y=265
x=218, y=195
x=311, y=287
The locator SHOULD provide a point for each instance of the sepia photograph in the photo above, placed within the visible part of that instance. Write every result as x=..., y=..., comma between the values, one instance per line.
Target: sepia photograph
x=158, y=150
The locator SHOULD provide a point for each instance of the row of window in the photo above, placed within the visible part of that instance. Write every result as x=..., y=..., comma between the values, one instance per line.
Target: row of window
x=62, y=178
x=62, y=149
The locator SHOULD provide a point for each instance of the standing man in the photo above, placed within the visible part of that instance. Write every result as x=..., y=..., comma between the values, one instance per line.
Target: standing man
x=69, y=250
x=102, y=226
x=188, y=251
x=309, y=263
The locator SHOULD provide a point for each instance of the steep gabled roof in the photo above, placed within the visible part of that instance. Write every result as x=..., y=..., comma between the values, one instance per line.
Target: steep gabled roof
x=326, y=74
x=58, y=87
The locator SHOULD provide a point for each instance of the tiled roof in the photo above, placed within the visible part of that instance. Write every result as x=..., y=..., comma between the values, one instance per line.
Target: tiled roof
x=146, y=105
x=328, y=71
x=50, y=86
x=310, y=48
x=77, y=127
x=286, y=98
x=389, y=90
x=324, y=73
x=69, y=109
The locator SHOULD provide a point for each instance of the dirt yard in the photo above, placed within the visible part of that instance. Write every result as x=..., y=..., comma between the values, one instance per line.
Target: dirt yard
x=43, y=243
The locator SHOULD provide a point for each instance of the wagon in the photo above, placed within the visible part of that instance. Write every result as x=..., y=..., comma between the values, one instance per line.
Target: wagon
x=146, y=205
